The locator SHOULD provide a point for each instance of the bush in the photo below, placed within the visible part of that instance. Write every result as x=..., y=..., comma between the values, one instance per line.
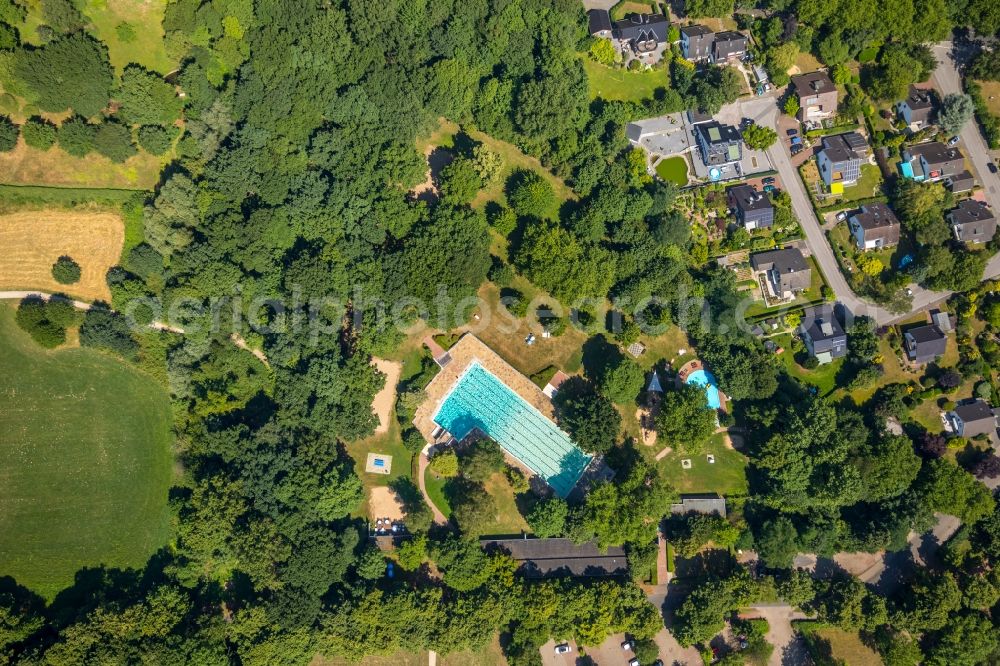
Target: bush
x=517, y=480
x=108, y=330
x=65, y=270
x=515, y=302
x=530, y=194
x=114, y=141
x=126, y=33
x=413, y=440
x=39, y=133
x=8, y=134
x=445, y=464
x=501, y=273
x=154, y=139
x=504, y=221
x=76, y=136
x=33, y=318
x=811, y=363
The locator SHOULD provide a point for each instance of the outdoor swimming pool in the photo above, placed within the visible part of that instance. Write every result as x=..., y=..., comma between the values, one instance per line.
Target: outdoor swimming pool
x=704, y=378
x=480, y=400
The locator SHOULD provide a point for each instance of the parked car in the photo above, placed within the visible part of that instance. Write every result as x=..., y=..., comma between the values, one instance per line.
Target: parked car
x=633, y=662
x=769, y=180
x=792, y=132
x=563, y=648
x=953, y=140
x=797, y=149
x=992, y=167
x=769, y=188
x=628, y=646
x=841, y=216
x=909, y=292
x=746, y=122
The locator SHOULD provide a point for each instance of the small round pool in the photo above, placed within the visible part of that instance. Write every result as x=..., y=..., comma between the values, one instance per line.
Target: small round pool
x=704, y=378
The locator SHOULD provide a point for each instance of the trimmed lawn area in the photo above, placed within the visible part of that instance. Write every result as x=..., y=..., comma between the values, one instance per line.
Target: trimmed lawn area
x=490, y=655
x=673, y=170
x=34, y=239
x=615, y=83
x=843, y=646
x=30, y=166
x=727, y=476
x=824, y=378
x=869, y=185
x=435, y=490
x=622, y=9
x=506, y=336
x=991, y=94
x=86, y=445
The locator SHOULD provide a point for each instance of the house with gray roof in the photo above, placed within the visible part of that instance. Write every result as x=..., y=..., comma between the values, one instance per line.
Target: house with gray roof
x=696, y=43
x=541, y=558
x=963, y=182
x=972, y=222
x=925, y=344
x=599, y=23
x=786, y=271
x=931, y=162
x=707, y=503
x=817, y=96
x=822, y=334
x=917, y=108
x=972, y=418
x=874, y=227
x=644, y=34
x=718, y=144
x=841, y=157
x=753, y=209
x=728, y=46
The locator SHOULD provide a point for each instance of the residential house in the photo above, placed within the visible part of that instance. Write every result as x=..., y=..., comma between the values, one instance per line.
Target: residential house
x=729, y=46
x=822, y=334
x=786, y=270
x=963, y=182
x=599, y=21
x=874, y=227
x=925, y=344
x=644, y=34
x=719, y=144
x=541, y=558
x=839, y=162
x=973, y=418
x=753, y=209
x=817, y=96
x=972, y=222
x=696, y=43
x=707, y=503
x=917, y=108
x=931, y=162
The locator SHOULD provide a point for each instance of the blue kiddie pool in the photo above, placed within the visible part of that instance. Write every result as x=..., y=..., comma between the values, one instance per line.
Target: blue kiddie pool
x=706, y=379
x=906, y=261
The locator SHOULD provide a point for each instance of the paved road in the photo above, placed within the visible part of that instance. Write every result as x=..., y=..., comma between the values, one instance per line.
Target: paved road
x=947, y=79
x=765, y=112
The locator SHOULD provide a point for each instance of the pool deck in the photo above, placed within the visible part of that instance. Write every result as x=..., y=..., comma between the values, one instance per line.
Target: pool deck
x=463, y=353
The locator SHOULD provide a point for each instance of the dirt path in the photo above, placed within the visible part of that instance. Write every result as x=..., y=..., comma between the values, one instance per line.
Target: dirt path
x=242, y=344
x=384, y=400
x=789, y=648
x=79, y=305
x=422, y=464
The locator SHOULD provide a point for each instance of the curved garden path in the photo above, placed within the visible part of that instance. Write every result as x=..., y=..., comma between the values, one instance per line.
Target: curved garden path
x=79, y=305
x=422, y=464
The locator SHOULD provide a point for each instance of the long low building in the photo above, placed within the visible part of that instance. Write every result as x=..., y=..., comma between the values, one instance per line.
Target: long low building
x=541, y=558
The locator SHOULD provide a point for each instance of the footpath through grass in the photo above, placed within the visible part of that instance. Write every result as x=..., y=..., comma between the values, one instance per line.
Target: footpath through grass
x=85, y=441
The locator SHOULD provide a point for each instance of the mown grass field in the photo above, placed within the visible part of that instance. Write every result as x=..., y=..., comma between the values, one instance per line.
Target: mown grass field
x=726, y=476
x=620, y=84
x=30, y=166
x=86, y=445
x=32, y=240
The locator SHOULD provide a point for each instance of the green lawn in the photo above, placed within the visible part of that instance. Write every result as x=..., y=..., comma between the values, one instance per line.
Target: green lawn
x=620, y=10
x=619, y=84
x=145, y=46
x=824, y=378
x=829, y=644
x=86, y=445
x=673, y=170
x=727, y=476
x=435, y=490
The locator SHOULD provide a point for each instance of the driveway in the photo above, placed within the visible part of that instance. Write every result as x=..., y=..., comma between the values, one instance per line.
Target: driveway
x=789, y=648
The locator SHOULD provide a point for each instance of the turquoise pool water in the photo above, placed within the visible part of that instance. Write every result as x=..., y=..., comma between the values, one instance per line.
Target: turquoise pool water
x=480, y=400
x=704, y=378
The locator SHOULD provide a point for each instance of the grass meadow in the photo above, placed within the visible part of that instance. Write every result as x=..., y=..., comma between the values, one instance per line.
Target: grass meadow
x=85, y=441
